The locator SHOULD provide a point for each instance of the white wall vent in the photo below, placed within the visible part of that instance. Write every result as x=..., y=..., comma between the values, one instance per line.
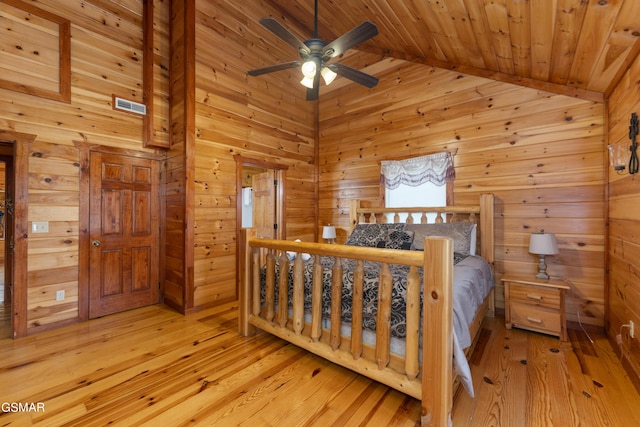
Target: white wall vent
x=132, y=107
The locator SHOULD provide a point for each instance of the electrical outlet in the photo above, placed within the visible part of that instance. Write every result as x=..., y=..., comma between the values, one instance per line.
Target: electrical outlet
x=60, y=295
x=40, y=227
x=631, y=329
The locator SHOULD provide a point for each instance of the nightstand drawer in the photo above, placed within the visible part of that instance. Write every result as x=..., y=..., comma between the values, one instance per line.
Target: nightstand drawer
x=534, y=295
x=535, y=318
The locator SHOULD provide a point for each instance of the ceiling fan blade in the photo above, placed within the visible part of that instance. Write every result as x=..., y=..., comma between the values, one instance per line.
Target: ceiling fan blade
x=353, y=74
x=272, y=68
x=276, y=28
x=357, y=35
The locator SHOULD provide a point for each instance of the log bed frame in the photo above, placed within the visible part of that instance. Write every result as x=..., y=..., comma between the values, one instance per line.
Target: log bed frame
x=433, y=383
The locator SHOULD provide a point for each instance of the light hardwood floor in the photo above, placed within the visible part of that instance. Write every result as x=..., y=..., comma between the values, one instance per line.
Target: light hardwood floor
x=153, y=366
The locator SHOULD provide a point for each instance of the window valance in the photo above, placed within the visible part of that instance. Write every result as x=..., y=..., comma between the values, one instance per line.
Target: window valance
x=436, y=168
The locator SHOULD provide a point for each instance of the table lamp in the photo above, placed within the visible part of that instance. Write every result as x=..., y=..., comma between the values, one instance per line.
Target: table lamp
x=543, y=244
x=329, y=233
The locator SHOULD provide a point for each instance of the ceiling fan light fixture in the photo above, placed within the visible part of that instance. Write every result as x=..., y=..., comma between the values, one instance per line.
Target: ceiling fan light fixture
x=315, y=53
x=307, y=82
x=328, y=75
x=309, y=69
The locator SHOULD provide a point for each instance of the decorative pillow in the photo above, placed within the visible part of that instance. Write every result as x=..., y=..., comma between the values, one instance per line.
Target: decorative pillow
x=462, y=233
x=370, y=234
x=405, y=246
x=292, y=255
x=399, y=239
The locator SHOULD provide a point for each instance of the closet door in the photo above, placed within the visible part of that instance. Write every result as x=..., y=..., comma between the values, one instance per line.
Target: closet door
x=124, y=233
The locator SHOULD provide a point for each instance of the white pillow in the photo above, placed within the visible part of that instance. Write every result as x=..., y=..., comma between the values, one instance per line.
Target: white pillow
x=292, y=255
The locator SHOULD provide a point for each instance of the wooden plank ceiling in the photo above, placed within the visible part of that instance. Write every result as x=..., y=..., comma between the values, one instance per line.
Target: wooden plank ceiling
x=575, y=47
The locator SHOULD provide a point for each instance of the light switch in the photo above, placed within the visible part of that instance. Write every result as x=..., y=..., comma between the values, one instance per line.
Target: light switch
x=40, y=227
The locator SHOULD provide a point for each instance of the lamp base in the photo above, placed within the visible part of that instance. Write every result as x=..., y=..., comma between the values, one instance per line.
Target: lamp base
x=542, y=276
x=542, y=269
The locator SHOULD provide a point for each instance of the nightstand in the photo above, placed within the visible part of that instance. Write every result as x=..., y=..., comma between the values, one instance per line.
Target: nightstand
x=535, y=304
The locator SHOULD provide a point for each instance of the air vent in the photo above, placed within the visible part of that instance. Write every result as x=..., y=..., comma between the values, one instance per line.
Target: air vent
x=132, y=107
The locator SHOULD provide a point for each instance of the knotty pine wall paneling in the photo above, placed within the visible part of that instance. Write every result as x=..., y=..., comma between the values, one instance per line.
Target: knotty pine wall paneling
x=624, y=225
x=178, y=259
x=264, y=118
x=156, y=64
x=541, y=154
x=106, y=60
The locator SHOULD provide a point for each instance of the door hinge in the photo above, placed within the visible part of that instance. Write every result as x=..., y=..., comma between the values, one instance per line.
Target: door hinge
x=275, y=226
x=275, y=182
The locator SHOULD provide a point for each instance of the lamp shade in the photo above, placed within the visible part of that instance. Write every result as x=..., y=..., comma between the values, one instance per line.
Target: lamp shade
x=328, y=232
x=328, y=75
x=543, y=244
x=618, y=156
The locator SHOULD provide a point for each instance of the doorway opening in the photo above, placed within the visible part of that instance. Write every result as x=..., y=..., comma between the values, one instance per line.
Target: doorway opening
x=14, y=152
x=260, y=201
x=261, y=193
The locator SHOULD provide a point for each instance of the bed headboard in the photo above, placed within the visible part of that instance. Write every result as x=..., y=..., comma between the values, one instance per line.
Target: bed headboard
x=481, y=214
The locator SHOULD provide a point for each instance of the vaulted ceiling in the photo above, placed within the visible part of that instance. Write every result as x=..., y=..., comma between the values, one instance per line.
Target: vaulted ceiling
x=576, y=47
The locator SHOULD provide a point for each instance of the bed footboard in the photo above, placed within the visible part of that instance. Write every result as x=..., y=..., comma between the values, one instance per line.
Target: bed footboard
x=430, y=382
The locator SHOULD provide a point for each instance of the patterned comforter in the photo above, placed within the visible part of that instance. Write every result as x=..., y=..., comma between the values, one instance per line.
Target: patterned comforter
x=473, y=281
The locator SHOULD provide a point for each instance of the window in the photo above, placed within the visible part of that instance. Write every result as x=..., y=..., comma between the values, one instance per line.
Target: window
x=419, y=181
x=425, y=194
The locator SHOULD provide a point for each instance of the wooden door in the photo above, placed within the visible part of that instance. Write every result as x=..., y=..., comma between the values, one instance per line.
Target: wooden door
x=264, y=204
x=124, y=233
x=8, y=227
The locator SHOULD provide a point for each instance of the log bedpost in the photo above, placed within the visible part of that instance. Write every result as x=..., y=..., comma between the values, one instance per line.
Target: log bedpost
x=487, y=249
x=437, y=367
x=353, y=214
x=487, y=241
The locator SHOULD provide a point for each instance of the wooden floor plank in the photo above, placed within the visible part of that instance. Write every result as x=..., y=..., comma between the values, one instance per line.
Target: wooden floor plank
x=252, y=387
x=153, y=366
x=465, y=404
x=564, y=410
x=540, y=406
x=604, y=369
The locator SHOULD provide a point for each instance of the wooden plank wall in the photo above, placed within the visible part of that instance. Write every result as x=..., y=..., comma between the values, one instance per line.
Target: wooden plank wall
x=541, y=154
x=264, y=118
x=176, y=189
x=624, y=223
x=106, y=53
x=235, y=115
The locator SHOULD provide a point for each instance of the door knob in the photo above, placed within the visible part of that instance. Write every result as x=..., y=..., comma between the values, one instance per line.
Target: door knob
x=96, y=243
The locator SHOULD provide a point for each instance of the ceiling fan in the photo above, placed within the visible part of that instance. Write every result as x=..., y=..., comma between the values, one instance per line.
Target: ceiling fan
x=316, y=53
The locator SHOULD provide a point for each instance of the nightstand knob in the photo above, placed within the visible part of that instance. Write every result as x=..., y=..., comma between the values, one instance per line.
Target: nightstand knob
x=534, y=297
